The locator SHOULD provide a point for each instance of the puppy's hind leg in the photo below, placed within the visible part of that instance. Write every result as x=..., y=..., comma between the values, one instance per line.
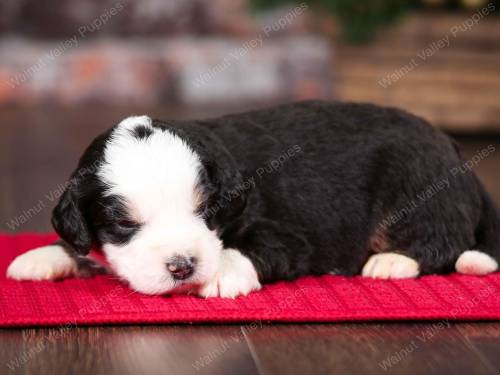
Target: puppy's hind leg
x=475, y=262
x=484, y=259
x=390, y=265
x=386, y=264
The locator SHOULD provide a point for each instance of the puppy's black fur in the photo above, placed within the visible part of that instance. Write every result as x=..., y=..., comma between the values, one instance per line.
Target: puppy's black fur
x=307, y=188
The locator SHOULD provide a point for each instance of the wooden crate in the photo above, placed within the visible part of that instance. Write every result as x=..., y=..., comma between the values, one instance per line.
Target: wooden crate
x=457, y=86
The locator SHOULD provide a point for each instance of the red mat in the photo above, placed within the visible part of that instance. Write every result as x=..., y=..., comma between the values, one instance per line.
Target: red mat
x=104, y=300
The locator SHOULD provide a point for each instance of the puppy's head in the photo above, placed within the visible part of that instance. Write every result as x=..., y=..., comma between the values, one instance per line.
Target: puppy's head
x=154, y=200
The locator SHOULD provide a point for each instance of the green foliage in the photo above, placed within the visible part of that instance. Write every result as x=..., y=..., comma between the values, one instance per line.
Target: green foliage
x=359, y=18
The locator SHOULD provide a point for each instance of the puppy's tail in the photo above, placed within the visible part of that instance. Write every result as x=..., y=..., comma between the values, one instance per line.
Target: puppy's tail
x=485, y=257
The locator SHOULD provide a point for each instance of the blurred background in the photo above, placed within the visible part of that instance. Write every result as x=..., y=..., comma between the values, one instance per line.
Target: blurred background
x=71, y=68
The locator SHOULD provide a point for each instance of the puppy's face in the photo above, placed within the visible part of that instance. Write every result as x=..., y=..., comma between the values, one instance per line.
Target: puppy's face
x=142, y=192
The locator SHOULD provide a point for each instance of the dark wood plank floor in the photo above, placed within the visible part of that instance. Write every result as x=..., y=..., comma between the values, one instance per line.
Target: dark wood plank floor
x=367, y=348
x=38, y=150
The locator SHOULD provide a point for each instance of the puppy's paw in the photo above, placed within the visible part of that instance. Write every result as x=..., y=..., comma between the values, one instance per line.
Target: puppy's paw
x=44, y=263
x=475, y=262
x=236, y=276
x=390, y=266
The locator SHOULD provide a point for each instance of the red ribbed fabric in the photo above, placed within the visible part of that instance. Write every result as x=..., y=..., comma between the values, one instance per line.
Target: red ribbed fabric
x=104, y=300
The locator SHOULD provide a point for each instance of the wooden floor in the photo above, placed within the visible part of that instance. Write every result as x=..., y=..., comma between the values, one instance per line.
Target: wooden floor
x=399, y=348
x=38, y=150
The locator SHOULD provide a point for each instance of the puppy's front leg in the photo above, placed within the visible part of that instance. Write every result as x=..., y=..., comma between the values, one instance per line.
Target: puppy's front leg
x=267, y=251
x=52, y=262
x=236, y=276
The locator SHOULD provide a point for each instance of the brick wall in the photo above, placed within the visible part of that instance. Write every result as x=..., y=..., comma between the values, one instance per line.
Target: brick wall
x=190, y=52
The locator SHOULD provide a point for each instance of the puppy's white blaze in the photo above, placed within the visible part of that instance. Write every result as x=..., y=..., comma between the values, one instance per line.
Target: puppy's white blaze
x=236, y=276
x=158, y=171
x=475, y=262
x=43, y=263
x=390, y=266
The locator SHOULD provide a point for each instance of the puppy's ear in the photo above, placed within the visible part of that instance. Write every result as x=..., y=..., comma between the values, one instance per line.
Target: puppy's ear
x=229, y=196
x=69, y=221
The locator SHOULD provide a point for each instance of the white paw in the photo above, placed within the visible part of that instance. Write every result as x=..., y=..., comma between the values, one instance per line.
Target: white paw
x=475, y=262
x=44, y=263
x=390, y=266
x=236, y=276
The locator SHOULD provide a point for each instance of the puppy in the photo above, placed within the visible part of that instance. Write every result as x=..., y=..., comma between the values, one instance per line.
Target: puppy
x=218, y=207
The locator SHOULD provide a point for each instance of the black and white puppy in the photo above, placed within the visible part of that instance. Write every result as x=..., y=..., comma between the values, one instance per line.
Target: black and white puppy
x=219, y=206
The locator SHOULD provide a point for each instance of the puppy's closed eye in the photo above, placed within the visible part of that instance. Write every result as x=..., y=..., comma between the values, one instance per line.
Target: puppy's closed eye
x=121, y=224
x=119, y=232
x=127, y=224
x=113, y=222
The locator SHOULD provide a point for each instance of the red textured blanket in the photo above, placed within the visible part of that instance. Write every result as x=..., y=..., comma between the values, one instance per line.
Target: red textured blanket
x=105, y=300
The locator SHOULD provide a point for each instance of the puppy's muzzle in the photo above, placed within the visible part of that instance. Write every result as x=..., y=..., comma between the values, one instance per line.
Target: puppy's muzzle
x=181, y=267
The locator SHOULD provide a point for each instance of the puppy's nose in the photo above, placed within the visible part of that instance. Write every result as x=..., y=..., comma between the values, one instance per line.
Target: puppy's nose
x=181, y=267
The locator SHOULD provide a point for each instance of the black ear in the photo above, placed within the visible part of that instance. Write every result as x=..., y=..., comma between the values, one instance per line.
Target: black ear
x=69, y=221
x=229, y=194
